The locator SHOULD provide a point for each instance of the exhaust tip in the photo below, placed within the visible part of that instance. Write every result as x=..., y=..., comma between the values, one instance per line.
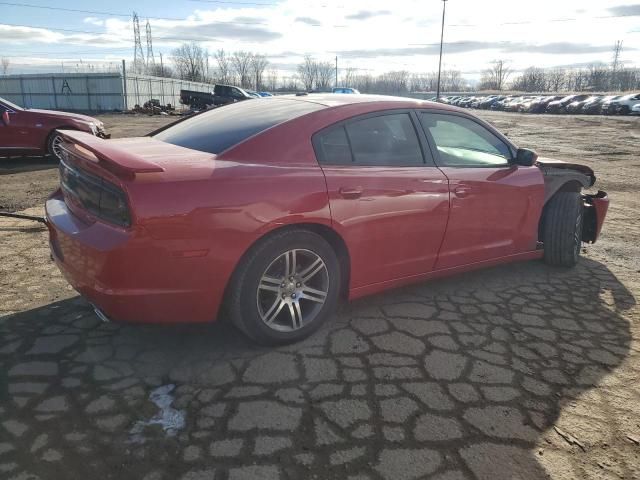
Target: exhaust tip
x=100, y=314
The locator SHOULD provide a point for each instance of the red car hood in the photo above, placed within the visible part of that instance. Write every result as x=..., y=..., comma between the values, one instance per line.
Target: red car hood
x=551, y=162
x=52, y=113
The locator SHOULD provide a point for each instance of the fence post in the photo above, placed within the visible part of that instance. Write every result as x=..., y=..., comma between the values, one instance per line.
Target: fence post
x=124, y=84
x=137, y=90
x=24, y=99
x=55, y=94
x=88, y=94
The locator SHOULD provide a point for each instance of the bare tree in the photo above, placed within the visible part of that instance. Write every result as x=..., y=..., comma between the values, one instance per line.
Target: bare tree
x=495, y=77
x=272, y=79
x=4, y=64
x=241, y=63
x=308, y=72
x=223, y=70
x=556, y=79
x=258, y=65
x=348, y=77
x=325, y=75
x=191, y=61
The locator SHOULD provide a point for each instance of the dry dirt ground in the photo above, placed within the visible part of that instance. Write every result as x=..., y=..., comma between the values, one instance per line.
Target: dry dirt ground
x=516, y=372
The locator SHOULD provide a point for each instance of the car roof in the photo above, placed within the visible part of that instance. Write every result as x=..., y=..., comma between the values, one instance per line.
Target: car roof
x=385, y=101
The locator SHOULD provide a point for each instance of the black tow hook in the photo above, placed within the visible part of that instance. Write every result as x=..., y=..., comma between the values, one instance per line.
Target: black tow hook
x=24, y=217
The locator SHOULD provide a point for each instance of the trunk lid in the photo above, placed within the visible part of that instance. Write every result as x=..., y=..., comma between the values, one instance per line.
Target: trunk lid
x=135, y=158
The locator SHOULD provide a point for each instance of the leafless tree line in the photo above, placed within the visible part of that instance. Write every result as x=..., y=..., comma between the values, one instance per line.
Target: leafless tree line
x=401, y=81
x=595, y=78
x=246, y=69
x=315, y=74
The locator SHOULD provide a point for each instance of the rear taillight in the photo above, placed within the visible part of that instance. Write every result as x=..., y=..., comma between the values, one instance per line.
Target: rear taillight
x=98, y=196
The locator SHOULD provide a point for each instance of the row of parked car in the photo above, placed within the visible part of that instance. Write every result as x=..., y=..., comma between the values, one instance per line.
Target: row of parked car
x=586, y=104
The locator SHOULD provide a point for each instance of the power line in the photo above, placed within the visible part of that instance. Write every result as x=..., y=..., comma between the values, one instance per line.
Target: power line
x=127, y=15
x=75, y=10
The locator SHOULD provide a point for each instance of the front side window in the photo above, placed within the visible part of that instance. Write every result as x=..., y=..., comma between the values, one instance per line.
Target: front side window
x=464, y=143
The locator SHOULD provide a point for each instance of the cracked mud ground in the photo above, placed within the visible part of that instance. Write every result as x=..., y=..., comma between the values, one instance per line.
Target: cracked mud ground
x=521, y=371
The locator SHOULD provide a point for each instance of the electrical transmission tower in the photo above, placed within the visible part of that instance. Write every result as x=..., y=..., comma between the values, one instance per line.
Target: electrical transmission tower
x=138, y=55
x=616, y=64
x=150, y=58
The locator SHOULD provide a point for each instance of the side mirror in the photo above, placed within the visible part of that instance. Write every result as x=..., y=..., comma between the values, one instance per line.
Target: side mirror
x=525, y=158
x=5, y=118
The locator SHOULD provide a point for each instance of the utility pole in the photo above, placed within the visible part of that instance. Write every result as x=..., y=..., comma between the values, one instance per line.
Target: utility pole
x=444, y=7
x=161, y=66
x=336, y=71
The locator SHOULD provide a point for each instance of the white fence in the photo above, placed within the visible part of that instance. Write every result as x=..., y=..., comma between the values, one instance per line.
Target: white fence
x=92, y=92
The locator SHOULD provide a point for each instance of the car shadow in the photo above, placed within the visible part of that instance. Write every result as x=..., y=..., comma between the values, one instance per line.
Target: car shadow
x=11, y=165
x=468, y=374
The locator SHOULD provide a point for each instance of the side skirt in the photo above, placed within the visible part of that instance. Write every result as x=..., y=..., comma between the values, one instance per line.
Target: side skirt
x=399, y=282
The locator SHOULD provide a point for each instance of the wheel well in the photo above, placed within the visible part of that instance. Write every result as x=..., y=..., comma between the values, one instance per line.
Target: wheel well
x=52, y=132
x=327, y=233
x=339, y=246
x=570, y=186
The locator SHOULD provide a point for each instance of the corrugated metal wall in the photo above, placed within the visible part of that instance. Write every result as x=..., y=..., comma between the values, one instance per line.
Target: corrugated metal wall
x=92, y=92
x=64, y=91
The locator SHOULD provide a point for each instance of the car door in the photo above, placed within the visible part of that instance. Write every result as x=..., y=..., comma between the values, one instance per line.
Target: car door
x=495, y=204
x=22, y=133
x=388, y=200
x=10, y=136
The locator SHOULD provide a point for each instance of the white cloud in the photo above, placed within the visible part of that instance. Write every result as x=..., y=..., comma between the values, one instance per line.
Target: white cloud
x=376, y=36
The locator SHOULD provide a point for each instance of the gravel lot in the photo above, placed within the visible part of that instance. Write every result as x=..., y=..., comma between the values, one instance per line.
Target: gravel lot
x=521, y=371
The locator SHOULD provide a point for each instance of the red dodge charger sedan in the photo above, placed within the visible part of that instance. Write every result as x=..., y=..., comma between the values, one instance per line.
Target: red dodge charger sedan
x=28, y=131
x=279, y=206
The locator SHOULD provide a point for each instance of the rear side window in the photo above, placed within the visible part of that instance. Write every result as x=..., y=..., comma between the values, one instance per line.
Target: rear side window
x=221, y=128
x=383, y=140
x=334, y=147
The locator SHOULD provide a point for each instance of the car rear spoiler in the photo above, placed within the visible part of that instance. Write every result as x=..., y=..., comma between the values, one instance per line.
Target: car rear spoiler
x=113, y=157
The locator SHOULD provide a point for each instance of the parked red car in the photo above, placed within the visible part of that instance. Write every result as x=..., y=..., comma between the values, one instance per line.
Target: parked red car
x=281, y=205
x=26, y=131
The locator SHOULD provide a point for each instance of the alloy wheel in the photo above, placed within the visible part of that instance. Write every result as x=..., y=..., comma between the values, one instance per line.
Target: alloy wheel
x=56, y=146
x=292, y=290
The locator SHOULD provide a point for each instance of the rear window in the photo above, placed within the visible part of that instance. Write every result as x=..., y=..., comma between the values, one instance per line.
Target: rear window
x=221, y=128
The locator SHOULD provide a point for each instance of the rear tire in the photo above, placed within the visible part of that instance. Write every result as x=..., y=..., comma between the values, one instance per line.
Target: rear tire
x=563, y=222
x=285, y=288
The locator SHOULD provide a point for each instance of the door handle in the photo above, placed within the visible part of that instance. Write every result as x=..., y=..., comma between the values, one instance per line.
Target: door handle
x=461, y=192
x=350, y=193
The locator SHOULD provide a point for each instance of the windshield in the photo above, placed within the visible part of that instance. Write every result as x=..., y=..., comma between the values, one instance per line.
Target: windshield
x=7, y=103
x=223, y=127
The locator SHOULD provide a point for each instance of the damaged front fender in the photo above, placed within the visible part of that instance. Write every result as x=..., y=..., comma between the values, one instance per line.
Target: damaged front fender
x=563, y=176
x=595, y=210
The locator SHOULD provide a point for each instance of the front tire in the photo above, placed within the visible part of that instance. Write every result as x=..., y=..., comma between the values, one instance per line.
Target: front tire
x=54, y=145
x=285, y=288
x=563, y=222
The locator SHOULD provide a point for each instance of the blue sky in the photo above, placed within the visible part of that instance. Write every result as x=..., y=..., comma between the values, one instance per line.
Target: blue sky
x=371, y=35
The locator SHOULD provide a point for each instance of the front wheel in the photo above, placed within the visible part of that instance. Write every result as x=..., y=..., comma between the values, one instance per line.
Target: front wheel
x=562, y=232
x=54, y=145
x=285, y=288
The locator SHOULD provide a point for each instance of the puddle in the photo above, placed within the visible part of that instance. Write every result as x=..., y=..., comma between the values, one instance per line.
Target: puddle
x=170, y=419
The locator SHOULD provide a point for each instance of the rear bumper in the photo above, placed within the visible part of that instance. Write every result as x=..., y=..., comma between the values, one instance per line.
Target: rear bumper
x=596, y=207
x=125, y=273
